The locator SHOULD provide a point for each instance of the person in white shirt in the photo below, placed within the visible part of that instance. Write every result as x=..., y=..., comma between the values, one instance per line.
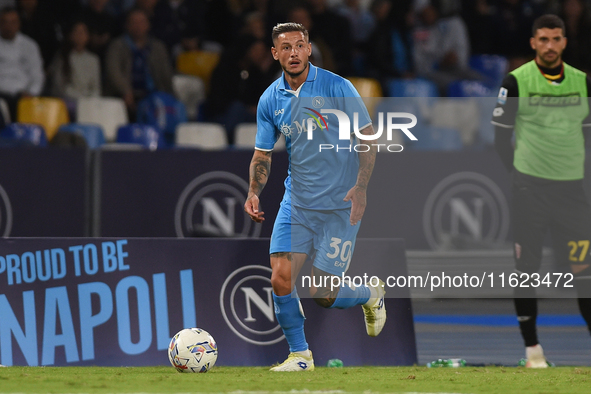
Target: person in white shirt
x=21, y=65
x=75, y=72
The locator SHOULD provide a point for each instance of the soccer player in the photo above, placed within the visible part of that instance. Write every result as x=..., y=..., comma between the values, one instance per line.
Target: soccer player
x=325, y=190
x=545, y=102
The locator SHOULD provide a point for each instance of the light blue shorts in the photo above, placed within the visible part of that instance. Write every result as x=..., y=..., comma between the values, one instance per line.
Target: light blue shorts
x=325, y=236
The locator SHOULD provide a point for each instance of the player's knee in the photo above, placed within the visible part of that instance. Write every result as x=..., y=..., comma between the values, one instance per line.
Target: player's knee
x=281, y=282
x=580, y=269
x=322, y=297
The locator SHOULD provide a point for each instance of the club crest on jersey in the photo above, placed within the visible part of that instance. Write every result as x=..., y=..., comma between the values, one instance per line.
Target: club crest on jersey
x=318, y=102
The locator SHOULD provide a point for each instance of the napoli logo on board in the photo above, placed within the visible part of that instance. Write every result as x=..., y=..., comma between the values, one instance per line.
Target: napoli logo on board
x=211, y=205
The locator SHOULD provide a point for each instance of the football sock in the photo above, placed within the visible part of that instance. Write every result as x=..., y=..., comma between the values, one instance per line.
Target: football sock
x=527, y=312
x=583, y=285
x=305, y=353
x=290, y=316
x=351, y=296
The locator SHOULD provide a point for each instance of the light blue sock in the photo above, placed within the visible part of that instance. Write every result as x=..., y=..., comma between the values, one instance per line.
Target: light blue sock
x=347, y=297
x=291, y=319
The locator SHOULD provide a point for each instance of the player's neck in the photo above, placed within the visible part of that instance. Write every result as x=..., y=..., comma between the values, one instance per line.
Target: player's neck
x=296, y=81
x=554, y=64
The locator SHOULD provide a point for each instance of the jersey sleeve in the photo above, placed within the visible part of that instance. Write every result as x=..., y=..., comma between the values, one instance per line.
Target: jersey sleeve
x=507, y=103
x=353, y=103
x=266, y=133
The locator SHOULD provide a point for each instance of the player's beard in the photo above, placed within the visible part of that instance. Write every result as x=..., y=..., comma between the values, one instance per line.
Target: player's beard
x=293, y=75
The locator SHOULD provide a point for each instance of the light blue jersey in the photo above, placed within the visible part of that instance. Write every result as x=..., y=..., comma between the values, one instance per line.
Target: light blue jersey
x=317, y=179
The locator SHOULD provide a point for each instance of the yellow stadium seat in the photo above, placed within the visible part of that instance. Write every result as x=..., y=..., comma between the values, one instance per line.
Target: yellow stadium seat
x=49, y=112
x=367, y=87
x=370, y=90
x=198, y=63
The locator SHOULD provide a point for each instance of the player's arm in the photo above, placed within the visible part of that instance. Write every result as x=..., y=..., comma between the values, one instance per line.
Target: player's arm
x=504, y=120
x=358, y=193
x=260, y=168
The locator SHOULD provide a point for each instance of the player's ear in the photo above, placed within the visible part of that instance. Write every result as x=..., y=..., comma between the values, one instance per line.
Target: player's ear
x=532, y=43
x=309, y=49
x=274, y=53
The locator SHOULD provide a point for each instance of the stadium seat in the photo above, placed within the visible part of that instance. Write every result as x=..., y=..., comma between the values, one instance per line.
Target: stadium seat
x=487, y=99
x=141, y=134
x=17, y=134
x=206, y=136
x=245, y=137
x=493, y=67
x=48, y=112
x=437, y=138
x=370, y=90
x=190, y=91
x=198, y=63
x=109, y=112
x=412, y=88
x=93, y=133
x=367, y=87
x=466, y=88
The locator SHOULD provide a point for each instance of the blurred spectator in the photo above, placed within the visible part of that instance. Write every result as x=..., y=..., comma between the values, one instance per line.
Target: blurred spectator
x=321, y=52
x=102, y=25
x=511, y=22
x=254, y=25
x=75, y=72
x=244, y=72
x=478, y=16
x=137, y=64
x=575, y=14
x=335, y=30
x=389, y=49
x=7, y=3
x=173, y=19
x=441, y=48
x=21, y=73
x=40, y=23
x=121, y=7
x=362, y=21
x=148, y=6
x=66, y=12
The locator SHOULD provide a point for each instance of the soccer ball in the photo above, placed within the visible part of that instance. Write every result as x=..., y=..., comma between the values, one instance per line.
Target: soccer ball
x=192, y=350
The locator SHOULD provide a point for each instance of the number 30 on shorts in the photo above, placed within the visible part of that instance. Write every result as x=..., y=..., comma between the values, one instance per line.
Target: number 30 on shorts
x=582, y=247
x=344, y=250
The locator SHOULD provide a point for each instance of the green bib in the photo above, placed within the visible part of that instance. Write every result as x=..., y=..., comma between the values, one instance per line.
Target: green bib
x=549, y=139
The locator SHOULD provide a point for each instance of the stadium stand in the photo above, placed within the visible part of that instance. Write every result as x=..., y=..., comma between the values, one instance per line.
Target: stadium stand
x=23, y=134
x=92, y=133
x=48, y=112
x=109, y=112
x=141, y=134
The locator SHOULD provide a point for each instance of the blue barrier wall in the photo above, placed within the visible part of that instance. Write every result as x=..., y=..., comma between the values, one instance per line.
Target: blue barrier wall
x=113, y=302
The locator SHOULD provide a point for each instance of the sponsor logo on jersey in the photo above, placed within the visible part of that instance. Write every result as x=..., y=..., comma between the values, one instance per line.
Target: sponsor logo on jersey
x=547, y=100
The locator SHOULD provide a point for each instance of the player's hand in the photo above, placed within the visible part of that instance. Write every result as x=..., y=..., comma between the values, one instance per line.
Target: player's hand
x=251, y=207
x=358, y=197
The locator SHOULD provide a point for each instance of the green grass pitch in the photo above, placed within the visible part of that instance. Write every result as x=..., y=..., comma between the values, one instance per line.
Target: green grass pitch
x=502, y=380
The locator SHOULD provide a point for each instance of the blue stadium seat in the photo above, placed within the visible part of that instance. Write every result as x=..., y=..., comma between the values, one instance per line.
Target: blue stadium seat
x=437, y=138
x=486, y=103
x=493, y=67
x=140, y=134
x=466, y=88
x=92, y=133
x=412, y=88
x=16, y=134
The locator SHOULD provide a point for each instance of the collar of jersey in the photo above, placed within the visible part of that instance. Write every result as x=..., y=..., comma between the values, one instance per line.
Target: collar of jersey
x=312, y=73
